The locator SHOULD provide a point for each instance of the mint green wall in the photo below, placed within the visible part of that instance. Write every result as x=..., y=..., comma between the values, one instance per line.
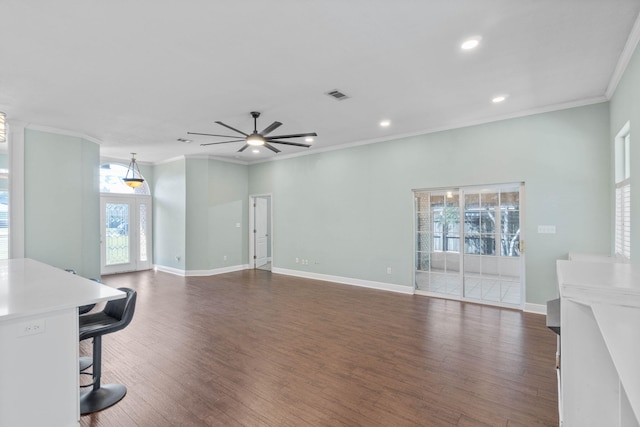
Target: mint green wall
x=197, y=214
x=625, y=107
x=147, y=173
x=169, y=204
x=197, y=204
x=217, y=200
x=62, y=219
x=351, y=210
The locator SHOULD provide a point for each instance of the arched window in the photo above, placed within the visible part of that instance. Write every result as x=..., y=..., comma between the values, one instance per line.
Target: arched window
x=111, y=175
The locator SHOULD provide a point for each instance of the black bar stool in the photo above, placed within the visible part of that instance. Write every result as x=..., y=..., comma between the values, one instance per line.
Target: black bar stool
x=117, y=314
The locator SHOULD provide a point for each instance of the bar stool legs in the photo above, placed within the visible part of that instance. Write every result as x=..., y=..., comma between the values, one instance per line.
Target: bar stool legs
x=100, y=396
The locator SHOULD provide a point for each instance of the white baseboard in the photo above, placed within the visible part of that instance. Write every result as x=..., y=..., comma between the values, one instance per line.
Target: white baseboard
x=390, y=287
x=211, y=272
x=169, y=270
x=215, y=271
x=535, y=308
x=346, y=280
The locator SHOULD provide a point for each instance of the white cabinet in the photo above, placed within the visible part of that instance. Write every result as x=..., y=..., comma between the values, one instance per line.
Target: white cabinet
x=39, y=380
x=600, y=342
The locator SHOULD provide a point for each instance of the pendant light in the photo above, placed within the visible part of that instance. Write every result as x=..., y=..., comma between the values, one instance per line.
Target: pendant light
x=133, y=182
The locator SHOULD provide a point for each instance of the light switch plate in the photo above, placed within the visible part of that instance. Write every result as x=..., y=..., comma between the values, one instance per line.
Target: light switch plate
x=547, y=229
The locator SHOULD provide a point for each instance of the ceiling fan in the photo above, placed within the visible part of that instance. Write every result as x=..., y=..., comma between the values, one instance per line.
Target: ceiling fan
x=258, y=138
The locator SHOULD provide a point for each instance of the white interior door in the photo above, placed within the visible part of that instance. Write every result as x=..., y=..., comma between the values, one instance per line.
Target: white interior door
x=261, y=234
x=126, y=233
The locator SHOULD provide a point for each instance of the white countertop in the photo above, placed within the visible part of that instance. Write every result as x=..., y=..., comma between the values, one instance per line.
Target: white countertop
x=599, y=282
x=584, y=256
x=29, y=287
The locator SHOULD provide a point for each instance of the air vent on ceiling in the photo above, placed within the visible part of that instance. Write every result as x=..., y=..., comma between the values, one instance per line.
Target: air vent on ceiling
x=337, y=95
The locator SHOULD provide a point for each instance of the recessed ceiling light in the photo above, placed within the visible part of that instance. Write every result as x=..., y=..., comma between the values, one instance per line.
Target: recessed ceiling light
x=308, y=139
x=255, y=151
x=498, y=99
x=385, y=123
x=471, y=43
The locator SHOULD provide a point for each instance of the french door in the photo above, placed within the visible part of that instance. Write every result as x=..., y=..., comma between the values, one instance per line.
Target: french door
x=126, y=233
x=469, y=243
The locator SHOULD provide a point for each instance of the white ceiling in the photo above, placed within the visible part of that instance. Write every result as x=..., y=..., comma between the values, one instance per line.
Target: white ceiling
x=137, y=75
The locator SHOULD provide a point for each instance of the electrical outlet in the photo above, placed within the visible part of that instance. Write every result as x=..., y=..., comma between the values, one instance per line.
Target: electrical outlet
x=32, y=328
x=224, y=258
x=388, y=270
x=297, y=260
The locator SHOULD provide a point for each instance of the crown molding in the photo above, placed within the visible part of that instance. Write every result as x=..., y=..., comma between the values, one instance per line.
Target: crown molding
x=170, y=160
x=625, y=57
x=201, y=157
x=59, y=131
x=453, y=126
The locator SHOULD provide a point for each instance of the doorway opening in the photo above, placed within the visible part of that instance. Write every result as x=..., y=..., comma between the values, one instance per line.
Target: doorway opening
x=125, y=223
x=469, y=243
x=260, y=232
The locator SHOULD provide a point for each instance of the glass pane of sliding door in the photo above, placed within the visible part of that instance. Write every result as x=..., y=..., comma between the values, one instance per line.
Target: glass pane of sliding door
x=492, y=245
x=468, y=243
x=438, y=242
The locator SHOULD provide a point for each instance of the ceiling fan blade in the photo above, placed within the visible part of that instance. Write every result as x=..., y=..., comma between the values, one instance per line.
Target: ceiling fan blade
x=222, y=142
x=212, y=134
x=295, y=135
x=271, y=147
x=244, y=147
x=273, y=126
x=289, y=143
x=233, y=129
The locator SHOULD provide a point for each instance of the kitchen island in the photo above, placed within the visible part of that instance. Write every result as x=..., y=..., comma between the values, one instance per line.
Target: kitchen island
x=39, y=378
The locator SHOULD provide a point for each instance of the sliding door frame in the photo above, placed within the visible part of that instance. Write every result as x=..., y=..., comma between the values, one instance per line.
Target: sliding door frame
x=461, y=271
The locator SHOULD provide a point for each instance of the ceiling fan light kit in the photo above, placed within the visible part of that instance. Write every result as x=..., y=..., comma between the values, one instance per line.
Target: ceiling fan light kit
x=258, y=138
x=255, y=140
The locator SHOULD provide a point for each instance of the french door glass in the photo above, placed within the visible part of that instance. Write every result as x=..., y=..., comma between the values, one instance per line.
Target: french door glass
x=126, y=235
x=117, y=248
x=468, y=243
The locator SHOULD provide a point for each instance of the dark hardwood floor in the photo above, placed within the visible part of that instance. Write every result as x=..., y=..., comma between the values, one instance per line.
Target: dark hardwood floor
x=253, y=348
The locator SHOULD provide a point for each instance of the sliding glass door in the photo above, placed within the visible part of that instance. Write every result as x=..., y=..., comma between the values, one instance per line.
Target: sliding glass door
x=468, y=243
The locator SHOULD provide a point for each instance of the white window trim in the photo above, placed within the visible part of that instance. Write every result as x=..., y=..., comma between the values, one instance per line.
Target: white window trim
x=622, y=199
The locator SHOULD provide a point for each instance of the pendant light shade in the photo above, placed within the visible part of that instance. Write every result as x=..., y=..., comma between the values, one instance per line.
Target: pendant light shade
x=133, y=181
x=3, y=127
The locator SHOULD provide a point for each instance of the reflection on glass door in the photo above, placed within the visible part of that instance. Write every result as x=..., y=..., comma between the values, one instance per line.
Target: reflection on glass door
x=488, y=266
